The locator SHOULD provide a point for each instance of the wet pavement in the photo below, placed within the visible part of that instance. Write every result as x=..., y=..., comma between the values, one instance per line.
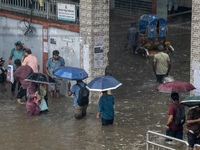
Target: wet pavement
x=138, y=106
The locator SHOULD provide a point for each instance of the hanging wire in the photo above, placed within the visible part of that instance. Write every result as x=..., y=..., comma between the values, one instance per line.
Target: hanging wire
x=24, y=25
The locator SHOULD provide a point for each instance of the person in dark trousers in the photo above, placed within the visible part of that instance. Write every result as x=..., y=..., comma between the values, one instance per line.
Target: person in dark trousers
x=106, y=110
x=20, y=74
x=53, y=63
x=171, y=128
x=193, y=127
x=79, y=111
x=16, y=53
x=161, y=65
x=133, y=36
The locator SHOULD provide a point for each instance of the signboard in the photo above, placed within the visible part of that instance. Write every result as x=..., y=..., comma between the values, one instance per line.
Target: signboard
x=66, y=12
x=98, y=57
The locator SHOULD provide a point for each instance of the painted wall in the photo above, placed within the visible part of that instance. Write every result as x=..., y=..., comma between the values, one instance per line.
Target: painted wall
x=10, y=33
x=67, y=43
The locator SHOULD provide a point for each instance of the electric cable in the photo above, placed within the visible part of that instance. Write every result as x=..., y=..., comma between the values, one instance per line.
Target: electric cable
x=24, y=25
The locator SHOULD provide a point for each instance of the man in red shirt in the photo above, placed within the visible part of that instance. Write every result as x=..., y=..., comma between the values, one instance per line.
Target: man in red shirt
x=171, y=128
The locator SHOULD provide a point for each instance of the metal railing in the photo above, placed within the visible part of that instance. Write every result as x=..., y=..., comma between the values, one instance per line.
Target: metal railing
x=49, y=10
x=195, y=146
x=148, y=142
x=130, y=8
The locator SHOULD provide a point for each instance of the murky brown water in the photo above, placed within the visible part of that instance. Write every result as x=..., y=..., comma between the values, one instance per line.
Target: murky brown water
x=138, y=106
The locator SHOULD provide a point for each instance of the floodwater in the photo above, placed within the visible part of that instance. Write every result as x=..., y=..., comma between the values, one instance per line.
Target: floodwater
x=138, y=106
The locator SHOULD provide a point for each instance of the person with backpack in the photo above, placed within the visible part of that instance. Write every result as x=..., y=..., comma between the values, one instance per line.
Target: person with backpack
x=81, y=98
x=106, y=110
x=174, y=127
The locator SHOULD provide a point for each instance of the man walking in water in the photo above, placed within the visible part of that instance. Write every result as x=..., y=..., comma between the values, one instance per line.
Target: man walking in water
x=161, y=65
x=172, y=129
x=132, y=36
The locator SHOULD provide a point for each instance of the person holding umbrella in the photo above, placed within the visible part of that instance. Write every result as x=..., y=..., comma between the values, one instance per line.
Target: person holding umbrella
x=53, y=63
x=79, y=90
x=36, y=92
x=106, y=102
x=193, y=120
x=193, y=127
x=79, y=109
x=106, y=110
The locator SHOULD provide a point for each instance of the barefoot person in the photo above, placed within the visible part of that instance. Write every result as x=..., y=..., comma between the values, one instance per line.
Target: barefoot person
x=53, y=63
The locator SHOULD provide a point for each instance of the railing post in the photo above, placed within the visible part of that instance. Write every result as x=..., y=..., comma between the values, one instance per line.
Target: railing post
x=147, y=144
x=47, y=9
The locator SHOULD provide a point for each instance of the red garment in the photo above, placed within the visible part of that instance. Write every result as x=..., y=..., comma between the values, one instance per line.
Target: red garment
x=172, y=111
x=21, y=73
x=31, y=106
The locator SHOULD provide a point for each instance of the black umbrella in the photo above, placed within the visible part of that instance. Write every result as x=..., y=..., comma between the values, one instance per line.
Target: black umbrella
x=40, y=78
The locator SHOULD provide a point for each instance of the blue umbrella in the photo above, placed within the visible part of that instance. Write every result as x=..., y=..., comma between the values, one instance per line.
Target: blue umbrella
x=72, y=73
x=103, y=83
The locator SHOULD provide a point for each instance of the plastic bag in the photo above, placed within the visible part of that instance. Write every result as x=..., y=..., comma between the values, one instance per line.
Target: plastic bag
x=10, y=76
x=43, y=105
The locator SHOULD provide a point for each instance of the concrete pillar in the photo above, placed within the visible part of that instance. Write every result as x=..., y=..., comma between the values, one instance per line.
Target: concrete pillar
x=153, y=6
x=94, y=25
x=195, y=40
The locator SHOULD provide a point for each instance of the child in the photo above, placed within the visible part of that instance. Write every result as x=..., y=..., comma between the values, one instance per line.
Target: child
x=43, y=93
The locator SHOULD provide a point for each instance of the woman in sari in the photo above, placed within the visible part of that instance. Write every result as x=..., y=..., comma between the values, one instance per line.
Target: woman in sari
x=34, y=99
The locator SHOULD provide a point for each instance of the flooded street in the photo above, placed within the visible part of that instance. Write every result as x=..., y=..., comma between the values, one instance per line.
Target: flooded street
x=138, y=106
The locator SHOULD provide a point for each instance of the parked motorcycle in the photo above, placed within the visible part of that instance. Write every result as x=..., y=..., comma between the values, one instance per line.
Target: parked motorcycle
x=3, y=71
